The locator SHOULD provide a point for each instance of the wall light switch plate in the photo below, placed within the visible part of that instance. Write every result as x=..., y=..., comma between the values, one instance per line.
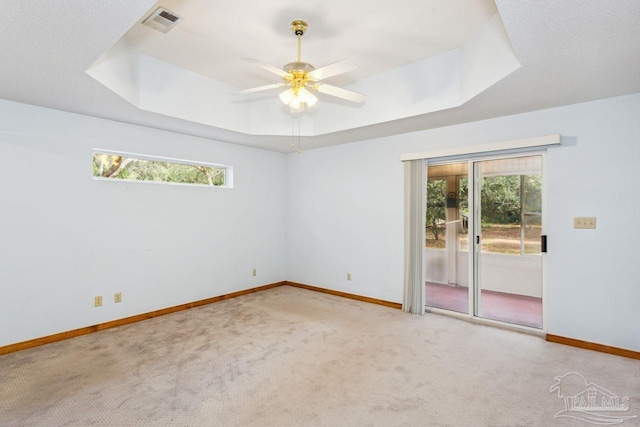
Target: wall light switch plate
x=97, y=301
x=117, y=297
x=584, y=222
x=348, y=276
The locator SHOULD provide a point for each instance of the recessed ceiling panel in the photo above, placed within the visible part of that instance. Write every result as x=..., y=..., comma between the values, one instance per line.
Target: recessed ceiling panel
x=213, y=37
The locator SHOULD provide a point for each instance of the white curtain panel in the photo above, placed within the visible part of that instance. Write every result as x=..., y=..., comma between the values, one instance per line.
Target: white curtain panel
x=414, y=223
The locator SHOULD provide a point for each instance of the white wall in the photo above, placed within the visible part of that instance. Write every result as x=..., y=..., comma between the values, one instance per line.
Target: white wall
x=345, y=215
x=176, y=92
x=511, y=274
x=65, y=237
x=119, y=70
x=431, y=84
x=435, y=263
x=344, y=207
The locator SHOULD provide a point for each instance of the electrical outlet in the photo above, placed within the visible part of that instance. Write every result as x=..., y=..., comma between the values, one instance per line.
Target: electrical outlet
x=584, y=222
x=97, y=301
x=348, y=276
x=117, y=297
x=255, y=273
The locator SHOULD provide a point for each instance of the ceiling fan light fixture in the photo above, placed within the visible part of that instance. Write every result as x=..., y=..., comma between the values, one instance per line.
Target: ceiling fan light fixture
x=296, y=99
x=296, y=111
x=301, y=76
x=287, y=96
x=295, y=103
x=307, y=97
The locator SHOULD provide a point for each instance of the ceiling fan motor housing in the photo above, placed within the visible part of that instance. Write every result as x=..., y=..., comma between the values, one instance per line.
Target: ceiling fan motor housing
x=298, y=74
x=298, y=66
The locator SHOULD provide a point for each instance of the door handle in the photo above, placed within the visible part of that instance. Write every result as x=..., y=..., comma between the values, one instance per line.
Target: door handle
x=543, y=243
x=477, y=240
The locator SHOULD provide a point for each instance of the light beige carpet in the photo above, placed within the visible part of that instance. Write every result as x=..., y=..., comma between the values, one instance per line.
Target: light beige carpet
x=291, y=357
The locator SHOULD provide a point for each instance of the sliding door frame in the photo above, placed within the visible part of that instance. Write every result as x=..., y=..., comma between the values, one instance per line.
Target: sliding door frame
x=473, y=247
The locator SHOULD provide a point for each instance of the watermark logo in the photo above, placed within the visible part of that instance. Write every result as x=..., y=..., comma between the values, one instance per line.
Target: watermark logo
x=589, y=402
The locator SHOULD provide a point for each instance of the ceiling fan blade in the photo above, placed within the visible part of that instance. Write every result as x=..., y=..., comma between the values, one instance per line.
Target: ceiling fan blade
x=259, y=88
x=338, y=92
x=271, y=68
x=331, y=70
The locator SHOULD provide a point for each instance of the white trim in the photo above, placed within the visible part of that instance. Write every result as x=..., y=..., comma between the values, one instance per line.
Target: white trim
x=471, y=240
x=160, y=158
x=140, y=181
x=543, y=231
x=540, y=141
x=228, y=170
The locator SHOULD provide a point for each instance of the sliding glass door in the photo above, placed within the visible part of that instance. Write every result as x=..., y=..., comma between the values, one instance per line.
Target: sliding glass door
x=447, y=237
x=483, y=239
x=508, y=224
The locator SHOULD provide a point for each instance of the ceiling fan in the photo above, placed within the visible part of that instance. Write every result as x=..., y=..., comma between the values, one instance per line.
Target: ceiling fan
x=302, y=78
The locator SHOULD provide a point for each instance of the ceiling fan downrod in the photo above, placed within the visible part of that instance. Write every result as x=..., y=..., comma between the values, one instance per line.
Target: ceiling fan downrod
x=299, y=28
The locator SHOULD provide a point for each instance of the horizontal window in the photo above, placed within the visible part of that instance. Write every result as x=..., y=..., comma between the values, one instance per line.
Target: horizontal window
x=139, y=167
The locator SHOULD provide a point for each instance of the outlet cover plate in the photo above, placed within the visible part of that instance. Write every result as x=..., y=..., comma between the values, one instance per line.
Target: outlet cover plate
x=584, y=222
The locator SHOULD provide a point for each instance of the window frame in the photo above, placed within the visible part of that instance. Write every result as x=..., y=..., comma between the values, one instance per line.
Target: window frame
x=228, y=170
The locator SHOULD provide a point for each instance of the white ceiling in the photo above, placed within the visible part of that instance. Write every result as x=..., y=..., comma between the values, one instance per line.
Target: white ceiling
x=570, y=51
x=377, y=39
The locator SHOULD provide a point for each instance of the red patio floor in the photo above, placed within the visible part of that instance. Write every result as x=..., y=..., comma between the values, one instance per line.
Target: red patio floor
x=510, y=308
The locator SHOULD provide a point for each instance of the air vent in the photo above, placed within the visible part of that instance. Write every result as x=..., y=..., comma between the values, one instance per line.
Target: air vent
x=162, y=20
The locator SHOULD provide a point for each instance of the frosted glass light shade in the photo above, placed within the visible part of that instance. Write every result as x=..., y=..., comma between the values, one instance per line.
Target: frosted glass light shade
x=307, y=97
x=295, y=103
x=287, y=96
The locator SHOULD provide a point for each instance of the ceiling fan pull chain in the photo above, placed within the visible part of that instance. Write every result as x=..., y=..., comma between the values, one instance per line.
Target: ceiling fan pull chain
x=299, y=149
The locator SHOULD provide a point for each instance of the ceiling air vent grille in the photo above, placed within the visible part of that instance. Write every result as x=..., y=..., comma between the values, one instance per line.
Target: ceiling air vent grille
x=162, y=20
